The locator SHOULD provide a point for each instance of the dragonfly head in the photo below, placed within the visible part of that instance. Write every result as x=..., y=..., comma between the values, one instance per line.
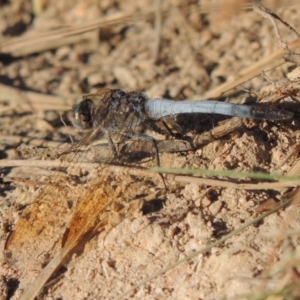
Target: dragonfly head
x=81, y=115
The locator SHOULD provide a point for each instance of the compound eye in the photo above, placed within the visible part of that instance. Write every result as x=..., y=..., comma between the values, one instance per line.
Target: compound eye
x=82, y=115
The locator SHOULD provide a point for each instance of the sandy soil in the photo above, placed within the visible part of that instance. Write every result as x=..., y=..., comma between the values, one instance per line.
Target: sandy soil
x=197, y=53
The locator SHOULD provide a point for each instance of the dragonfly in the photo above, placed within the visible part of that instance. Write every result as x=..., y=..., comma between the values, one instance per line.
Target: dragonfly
x=103, y=110
x=120, y=117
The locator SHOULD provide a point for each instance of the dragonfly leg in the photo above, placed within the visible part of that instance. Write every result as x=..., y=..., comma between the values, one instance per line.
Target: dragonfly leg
x=112, y=145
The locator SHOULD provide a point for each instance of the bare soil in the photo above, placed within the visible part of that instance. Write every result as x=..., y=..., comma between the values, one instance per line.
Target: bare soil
x=196, y=49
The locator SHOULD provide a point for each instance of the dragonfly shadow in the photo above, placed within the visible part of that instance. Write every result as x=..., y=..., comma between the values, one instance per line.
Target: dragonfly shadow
x=198, y=123
x=152, y=206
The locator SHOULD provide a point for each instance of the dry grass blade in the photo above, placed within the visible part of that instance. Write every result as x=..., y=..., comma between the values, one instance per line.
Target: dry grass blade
x=267, y=13
x=158, y=28
x=230, y=8
x=35, y=101
x=285, y=88
x=243, y=186
x=57, y=163
x=223, y=129
x=267, y=63
x=293, y=171
x=28, y=45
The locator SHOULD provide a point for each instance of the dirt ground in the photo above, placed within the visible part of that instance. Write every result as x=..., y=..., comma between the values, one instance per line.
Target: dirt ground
x=174, y=49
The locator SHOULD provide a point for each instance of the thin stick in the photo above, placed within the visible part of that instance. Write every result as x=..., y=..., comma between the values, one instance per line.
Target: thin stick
x=266, y=13
x=266, y=63
x=238, y=186
x=158, y=26
x=36, y=101
x=56, y=163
